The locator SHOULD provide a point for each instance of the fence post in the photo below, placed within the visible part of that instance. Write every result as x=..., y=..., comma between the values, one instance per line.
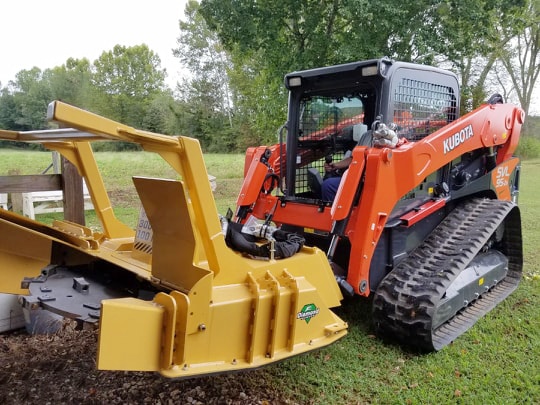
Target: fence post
x=56, y=162
x=72, y=186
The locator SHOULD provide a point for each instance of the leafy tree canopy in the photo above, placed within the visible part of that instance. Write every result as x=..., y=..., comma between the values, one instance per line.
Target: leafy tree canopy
x=267, y=39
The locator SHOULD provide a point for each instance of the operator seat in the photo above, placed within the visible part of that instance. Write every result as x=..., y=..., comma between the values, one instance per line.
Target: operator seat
x=314, y=177
x=315, y=181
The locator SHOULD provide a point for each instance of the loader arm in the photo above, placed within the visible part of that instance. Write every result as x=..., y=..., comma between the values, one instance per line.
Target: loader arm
x=207, y=294
x=390, y=173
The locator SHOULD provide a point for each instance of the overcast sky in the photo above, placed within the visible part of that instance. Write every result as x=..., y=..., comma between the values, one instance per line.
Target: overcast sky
x=45, y=33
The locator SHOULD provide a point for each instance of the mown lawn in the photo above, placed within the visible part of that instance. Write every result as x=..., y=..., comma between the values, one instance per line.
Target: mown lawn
x=496, y=362
x=117, y=170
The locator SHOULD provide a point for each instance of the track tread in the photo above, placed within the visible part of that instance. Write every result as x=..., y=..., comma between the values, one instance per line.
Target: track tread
x=407, y=298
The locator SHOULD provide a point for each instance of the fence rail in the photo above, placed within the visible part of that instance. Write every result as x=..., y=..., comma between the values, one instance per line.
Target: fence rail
x=68, y=181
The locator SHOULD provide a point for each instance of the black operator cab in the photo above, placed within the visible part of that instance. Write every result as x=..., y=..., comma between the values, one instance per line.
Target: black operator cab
x=333, y=109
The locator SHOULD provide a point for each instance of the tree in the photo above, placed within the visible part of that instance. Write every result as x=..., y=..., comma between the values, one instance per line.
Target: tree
x=268, y=39
x=23, y=104
x=202, y=53
x=206, y=94
x=522, y=59
x=71, y=82
x=10, y=116
x=160, y=115
x=31, y=96
x=9, y=111
x=126, y=79
x=122, y=84
x=469, y=36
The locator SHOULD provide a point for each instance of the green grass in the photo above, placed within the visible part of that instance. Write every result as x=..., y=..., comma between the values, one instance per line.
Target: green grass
x=529, y=202
x=117, y=170
x=496, y=362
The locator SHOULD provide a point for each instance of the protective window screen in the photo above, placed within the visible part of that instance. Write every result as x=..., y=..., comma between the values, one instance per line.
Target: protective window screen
x=421, y=108
x=328, y=126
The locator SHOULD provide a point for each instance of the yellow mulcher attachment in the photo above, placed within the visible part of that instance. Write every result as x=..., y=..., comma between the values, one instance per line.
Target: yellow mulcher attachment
x=217, y=310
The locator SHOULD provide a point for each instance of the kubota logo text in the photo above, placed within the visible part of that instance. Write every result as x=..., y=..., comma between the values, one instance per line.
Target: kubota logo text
x=457, y=139
x=308, y=311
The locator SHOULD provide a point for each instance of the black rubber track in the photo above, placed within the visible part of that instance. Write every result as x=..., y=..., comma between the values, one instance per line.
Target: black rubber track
x=407, y=298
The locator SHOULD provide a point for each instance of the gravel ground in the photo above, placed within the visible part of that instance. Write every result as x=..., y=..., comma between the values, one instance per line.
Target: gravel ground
x=60, y=369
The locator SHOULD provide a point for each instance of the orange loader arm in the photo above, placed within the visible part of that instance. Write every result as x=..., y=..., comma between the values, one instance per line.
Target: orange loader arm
x=390, y=173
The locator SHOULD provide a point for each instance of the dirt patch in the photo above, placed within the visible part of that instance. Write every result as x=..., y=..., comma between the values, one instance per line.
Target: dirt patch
x=124, y=197
x=61, y=369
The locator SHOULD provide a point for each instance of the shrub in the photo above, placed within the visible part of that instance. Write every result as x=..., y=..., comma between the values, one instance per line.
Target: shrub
x=115, y=146
x=528, y=148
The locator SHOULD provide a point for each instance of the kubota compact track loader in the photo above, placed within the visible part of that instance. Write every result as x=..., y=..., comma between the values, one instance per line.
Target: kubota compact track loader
x=424, y=217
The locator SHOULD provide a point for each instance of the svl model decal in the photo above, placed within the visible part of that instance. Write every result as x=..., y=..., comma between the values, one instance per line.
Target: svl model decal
x=500, y=179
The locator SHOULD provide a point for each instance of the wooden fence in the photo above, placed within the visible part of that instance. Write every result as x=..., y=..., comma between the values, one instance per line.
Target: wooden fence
x=68, y=180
